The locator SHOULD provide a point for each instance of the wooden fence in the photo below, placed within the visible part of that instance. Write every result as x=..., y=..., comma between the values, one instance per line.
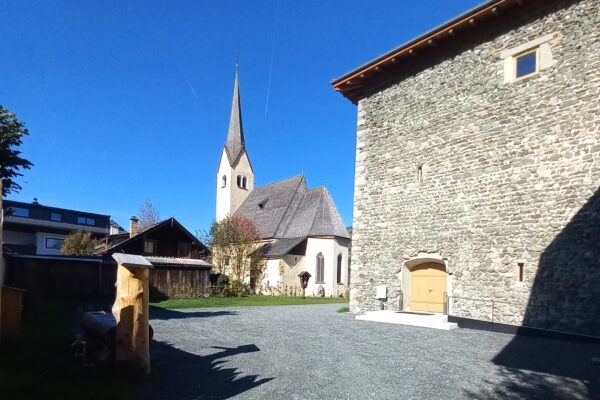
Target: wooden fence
x=57, y=278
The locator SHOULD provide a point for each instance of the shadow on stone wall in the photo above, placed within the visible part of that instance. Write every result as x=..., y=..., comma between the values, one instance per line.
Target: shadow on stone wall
x=177, y=374
x=566, y=288
x=564, y=297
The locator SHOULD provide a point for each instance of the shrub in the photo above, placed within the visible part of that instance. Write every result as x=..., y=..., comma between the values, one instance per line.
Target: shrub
x=238, y=288
x=222, y=283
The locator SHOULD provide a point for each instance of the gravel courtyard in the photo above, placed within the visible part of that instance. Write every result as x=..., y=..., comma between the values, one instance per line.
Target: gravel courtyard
x=313, y=352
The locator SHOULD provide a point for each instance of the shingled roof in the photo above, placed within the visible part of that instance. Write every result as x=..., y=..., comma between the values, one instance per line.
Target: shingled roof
x=287, y=209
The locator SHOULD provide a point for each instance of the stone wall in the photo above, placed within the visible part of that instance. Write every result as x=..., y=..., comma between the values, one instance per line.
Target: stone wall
x=510, y=174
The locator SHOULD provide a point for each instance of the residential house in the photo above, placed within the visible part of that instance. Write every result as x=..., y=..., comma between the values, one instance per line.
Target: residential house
x=478, y=168
x=179, y=258
x=36, y=229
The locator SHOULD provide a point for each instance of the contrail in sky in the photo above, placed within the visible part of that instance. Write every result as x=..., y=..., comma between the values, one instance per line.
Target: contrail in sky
x=191, y=88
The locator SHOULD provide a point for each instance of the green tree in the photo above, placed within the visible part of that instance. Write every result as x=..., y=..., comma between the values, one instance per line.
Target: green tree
x=78, y=243
x=11, y=134
x=236, y=249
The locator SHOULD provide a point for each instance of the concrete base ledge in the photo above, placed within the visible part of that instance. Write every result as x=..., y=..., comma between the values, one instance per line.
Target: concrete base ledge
x=434, y=321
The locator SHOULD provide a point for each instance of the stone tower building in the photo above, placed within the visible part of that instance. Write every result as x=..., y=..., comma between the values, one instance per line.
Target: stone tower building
x=477, y=183
x=235, y=176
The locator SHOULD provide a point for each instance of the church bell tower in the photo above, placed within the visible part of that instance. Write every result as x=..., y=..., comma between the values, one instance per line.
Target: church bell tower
x=235, y=177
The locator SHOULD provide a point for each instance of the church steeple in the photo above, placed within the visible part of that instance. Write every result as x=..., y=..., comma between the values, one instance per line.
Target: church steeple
x=235, y=177
x=235, y=135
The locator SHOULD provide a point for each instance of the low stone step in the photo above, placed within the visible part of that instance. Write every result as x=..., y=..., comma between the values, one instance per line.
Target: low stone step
x=434, y=321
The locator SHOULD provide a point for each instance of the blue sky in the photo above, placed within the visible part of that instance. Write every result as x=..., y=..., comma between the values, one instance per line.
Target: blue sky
x=130, y=100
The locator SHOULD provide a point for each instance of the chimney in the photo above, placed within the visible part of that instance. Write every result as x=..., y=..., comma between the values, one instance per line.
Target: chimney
x=113, y=229
x=133, y=226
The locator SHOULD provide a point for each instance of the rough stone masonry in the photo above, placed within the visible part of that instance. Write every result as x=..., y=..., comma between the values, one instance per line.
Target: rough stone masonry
x=510, y=174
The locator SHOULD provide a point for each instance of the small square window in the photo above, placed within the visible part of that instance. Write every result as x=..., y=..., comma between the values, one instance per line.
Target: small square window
x=526, y=64
x=55, y=217
x=150, y=246
x=184, y=249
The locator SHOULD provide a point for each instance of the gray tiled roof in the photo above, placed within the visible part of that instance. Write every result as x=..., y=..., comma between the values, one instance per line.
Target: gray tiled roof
x=287, y=209
x=281, y=247
x=177, y=261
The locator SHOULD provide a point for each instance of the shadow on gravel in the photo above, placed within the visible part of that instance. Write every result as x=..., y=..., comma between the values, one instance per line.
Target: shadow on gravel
x=180, y=375
x=164, y=314
x=542, y=368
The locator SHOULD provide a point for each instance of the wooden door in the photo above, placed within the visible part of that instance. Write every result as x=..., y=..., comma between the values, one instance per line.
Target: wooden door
x=428, y=287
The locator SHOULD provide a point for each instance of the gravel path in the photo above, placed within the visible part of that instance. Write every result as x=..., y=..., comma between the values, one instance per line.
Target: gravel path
x=312, y=352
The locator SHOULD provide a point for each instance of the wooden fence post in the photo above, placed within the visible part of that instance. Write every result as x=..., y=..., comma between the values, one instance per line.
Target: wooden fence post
x=132, y=341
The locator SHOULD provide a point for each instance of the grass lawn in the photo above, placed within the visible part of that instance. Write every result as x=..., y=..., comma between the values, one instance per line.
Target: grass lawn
x=254, y=300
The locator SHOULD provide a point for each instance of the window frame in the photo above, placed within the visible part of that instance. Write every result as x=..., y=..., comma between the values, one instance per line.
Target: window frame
x=52, y=214
x=189, y=250
x=61, y=240
x=154, y=246
x=516, y=57
x=320, y=269
x=339, y=269
x=224, y=181
x=27, y=210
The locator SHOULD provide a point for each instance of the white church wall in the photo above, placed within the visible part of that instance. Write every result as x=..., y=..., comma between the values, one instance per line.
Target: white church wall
x=340, y=288
x=223, y=191
x=315, y=246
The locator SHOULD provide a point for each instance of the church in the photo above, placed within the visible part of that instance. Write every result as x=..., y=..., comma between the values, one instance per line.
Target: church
x=301, y=228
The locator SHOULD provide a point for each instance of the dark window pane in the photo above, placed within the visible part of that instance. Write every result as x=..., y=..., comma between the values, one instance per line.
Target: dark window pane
x=53, y=243
x=91, y=221
x=55, y=217
x=20, y=212
x=81, y=220
x=526, y=64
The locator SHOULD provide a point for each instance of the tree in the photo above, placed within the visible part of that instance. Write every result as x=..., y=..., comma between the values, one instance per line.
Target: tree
x=148, y=214
x=11, y=134
x=78, y=243
x=235, y=245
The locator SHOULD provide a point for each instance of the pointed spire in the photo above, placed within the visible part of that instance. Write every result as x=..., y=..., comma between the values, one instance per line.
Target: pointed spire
x=235, y=135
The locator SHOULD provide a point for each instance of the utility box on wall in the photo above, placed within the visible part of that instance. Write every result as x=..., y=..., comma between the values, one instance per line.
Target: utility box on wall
x=381, y=292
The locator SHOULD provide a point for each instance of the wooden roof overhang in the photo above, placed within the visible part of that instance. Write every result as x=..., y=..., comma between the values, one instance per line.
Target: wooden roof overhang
x=354, y=84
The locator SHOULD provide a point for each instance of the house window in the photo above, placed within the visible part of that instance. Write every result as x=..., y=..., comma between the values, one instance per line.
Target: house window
x=55, y=217
x=320, y=275
x=339, y=269
x=86, y=221
x=150, y=246
x=53, y=243
x=239, y=181
x=184, y=249
x=224, y=181
x=244, y=183
x=526, y=64
x=20, y=212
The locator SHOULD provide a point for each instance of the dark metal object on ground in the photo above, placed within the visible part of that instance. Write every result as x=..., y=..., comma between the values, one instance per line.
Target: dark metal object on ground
x=97, y=344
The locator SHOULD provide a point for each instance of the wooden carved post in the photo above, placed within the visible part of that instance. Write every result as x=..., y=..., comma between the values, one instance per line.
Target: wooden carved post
x=132, y=341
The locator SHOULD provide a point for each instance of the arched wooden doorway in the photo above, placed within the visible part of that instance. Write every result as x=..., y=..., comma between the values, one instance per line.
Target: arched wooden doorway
x=428, y=287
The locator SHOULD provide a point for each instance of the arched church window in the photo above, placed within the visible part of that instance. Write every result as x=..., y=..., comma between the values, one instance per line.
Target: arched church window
x=239, y=181
x=339, y=268
x=224, y=181
x=244, y=183
x=320, y=275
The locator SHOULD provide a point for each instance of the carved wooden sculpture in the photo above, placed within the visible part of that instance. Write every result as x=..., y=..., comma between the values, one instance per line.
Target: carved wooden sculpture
x=132, y=341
